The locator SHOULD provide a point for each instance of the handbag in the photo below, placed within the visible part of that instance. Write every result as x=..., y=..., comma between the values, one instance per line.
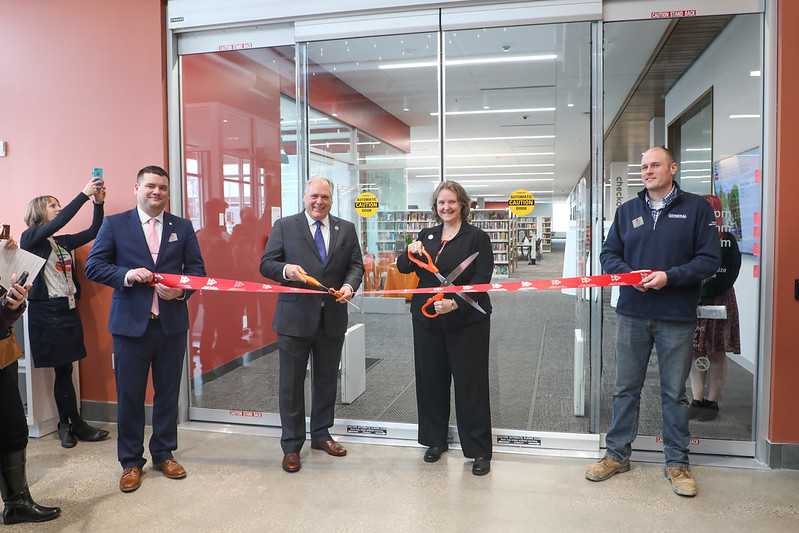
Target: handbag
x=9, y=349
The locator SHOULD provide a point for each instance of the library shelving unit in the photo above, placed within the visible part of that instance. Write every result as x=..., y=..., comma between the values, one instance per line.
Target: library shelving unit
x=393, y=226
x=501, y=228
x=546, y=234
x=526, y=228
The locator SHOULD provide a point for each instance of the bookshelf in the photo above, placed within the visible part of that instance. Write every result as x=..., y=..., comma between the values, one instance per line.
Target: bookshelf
x=500, y=227
x=526, y=228
x=546, y=234
x=393, y=226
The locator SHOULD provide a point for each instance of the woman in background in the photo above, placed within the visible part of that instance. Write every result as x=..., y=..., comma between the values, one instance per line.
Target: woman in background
x=454, y=345
x=713, y=338
x=56, y=333
x=18, y=504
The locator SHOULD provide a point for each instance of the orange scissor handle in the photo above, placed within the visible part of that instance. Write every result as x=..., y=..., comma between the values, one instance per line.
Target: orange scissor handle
x=428, y=265
x=310, y=280
x=432, y=299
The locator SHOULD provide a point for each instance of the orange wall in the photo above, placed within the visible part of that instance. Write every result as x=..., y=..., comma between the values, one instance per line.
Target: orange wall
x=81, y=85
x=784, y=424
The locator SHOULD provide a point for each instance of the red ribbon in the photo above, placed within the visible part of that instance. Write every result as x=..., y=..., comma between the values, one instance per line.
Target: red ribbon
x=219, y=284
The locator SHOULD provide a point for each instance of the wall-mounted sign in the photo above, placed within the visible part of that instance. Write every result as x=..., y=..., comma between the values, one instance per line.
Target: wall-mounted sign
x=521, y=202
x=366, y=204
x=673, y=14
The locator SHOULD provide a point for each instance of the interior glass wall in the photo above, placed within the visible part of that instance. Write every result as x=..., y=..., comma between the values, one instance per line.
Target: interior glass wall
x=707, y=108
x=239, y=145
x=497, y=109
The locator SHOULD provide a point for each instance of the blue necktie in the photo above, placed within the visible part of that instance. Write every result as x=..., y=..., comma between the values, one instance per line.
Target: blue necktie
x=320, y=241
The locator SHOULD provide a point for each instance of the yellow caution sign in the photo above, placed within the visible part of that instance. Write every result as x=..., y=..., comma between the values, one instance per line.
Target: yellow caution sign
x=521, y=202
x=366, y=204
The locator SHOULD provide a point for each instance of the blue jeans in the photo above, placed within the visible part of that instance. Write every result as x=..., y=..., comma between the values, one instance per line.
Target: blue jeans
x=674, y=343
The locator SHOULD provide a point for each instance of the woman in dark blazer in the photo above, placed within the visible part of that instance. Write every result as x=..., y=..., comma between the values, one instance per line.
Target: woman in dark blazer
x=18, y=504
x=454, y=345
x=56, y=333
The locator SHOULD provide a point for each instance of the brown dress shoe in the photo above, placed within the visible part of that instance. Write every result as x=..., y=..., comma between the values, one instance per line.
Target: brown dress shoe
x=131, y=479
x=171, y=469
x=291, y=462
x=331, y=447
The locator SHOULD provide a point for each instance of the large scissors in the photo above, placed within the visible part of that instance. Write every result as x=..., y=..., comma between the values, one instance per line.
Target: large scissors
x=429, y=266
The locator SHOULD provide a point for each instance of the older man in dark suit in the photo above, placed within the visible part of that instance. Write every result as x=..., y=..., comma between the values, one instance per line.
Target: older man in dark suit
x=325, y=247
x=148, y=323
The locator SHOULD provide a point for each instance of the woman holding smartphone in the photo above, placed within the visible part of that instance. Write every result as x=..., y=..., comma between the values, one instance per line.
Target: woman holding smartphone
x=18, y=506
x=56, y=333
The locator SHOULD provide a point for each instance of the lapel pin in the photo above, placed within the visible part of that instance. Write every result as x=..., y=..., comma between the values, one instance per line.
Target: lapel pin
x=430, y=237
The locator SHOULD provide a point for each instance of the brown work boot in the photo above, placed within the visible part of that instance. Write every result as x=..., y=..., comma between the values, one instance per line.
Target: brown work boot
x=681, y=481
x=604, y=468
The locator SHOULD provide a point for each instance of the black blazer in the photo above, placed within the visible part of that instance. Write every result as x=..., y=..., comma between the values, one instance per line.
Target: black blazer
x=469, y=239
x=290, y=241
x=34, y=240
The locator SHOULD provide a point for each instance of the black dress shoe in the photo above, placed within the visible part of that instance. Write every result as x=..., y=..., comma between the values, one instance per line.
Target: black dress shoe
x=433, y=453
x=710, y=410
x=89, y=433
x=696, y=408
x=68, y=439
x=481, y=466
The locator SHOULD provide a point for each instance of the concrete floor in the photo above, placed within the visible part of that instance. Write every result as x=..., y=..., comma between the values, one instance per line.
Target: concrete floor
x=235, y=483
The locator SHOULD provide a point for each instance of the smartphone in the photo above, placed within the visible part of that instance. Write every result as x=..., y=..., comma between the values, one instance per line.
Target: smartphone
x=97, y=172
x=5, y=232
x=23, y=279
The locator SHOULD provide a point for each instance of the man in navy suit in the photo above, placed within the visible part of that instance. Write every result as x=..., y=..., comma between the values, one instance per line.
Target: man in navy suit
x=325, y=247
x=148, y=323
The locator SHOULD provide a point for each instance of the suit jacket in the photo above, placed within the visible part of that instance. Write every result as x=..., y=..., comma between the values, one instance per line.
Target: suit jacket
x=298, y=315
x=121, y=246
x=469, y=239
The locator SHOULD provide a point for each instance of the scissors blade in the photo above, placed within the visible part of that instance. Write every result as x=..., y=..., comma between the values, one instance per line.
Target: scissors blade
x=458, y=269
x=454, y=274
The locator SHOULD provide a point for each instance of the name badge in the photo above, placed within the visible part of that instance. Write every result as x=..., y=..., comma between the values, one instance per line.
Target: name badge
x=638, y=222
x=71, y=301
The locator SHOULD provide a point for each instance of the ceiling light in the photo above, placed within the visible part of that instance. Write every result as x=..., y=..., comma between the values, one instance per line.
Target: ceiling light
x=697, y=149
x=754, y=73
x=744, y=116
x=467, y=61
x=484, y=111
x=469, y=139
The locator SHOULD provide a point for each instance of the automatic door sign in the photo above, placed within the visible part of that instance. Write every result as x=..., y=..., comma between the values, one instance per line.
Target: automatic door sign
x=521, y=202
x=366, y=204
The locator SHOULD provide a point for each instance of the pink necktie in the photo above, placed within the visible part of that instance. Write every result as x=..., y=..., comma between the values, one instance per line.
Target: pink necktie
x=152, y=242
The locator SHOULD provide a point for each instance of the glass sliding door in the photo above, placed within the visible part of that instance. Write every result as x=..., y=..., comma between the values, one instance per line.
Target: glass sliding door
x=707, y=108
x=517, y=116
x=239, y=146
x=372, y=107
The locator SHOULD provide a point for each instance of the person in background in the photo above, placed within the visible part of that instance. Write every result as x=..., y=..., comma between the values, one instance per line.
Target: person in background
x=148, y=319
x=671, y=234
x=18, y=504
x=454, y=345
x=714, y=338
x=315, y=243
x=56, y=333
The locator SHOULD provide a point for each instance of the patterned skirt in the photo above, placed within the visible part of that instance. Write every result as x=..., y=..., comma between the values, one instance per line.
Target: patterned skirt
x=713, y=335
